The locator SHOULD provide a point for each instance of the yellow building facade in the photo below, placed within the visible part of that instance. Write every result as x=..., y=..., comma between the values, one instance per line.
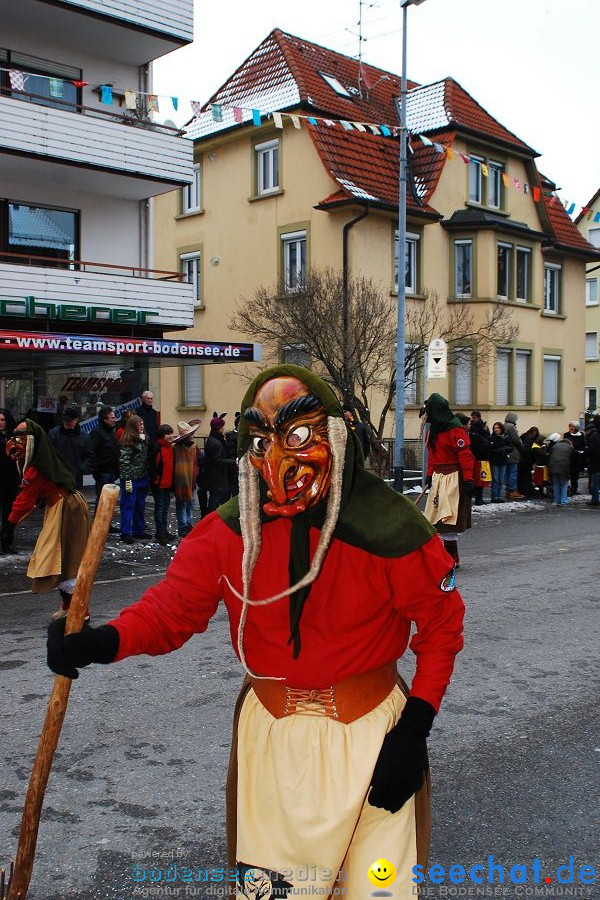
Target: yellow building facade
x=484, y=228
x=588, y=223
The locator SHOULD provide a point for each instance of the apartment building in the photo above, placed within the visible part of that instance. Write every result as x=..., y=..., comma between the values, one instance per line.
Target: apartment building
x=82, y=308
x=588, y=222
x=296, y=166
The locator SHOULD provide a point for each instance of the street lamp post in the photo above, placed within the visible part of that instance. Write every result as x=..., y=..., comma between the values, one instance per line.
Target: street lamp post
x=400, y=336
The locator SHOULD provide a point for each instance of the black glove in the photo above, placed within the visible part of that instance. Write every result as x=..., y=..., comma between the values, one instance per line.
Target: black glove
x=67, y=653
x=469, y=488
x=7, y=536
x=402, y=761
x=428, y=481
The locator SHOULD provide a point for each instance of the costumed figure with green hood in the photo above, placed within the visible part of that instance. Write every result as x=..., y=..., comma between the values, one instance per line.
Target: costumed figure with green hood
x=48, y=481
x=450, y=465
x=323, y=569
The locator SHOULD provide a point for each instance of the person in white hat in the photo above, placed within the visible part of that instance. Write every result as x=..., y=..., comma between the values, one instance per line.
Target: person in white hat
x=186, y=470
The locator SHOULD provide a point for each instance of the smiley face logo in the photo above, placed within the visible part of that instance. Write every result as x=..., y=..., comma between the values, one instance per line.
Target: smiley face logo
x=382, y=873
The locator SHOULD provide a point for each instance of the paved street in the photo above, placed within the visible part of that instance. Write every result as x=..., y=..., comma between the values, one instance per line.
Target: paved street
x=142, y=759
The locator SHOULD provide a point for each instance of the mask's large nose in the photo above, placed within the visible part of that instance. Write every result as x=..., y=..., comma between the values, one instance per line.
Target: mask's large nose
x=276, y=465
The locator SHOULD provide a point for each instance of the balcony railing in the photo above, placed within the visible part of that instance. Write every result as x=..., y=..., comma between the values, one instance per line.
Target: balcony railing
x=123, y=116
x=80, y=265
x=150, y=296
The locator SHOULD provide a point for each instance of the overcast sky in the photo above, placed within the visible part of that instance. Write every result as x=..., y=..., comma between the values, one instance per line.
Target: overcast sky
x=533, y=64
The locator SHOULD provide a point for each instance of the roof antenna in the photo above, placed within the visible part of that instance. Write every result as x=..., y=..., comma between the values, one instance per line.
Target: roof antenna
x=363, y=82
x=360, y=43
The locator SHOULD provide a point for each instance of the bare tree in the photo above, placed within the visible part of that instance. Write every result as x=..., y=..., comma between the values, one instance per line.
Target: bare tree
x=347, y=326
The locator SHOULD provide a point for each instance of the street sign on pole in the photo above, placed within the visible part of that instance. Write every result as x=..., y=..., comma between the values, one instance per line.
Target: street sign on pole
x=437, y=359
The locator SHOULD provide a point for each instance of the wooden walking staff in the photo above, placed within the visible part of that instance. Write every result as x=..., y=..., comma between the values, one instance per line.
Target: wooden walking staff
x=421, y=495
x=59, y=698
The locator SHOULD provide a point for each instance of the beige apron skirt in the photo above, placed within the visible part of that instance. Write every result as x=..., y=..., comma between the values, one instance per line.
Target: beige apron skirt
x=297, y=804
x=60, y=544
x=448, y=508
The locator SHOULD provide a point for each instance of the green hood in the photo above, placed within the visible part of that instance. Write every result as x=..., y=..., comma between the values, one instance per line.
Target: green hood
x=440, y=416
x=47, y=460
x=372, y=517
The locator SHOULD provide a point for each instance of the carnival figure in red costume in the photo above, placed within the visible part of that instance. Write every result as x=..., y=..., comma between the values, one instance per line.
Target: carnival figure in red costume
x=48, y=481
x=322, y=569
x=450, y=466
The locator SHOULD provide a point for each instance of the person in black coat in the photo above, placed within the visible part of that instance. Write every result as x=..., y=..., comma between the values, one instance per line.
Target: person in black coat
x=479, y=435
x=9, y=474
x=359, y=427
x=525, y=470
x=593, y=451
x=103, y=450
x=72, y=443
x=150, y=417
x=578, y=459
x=500, y=447
x=231, y=442
x=217, y=465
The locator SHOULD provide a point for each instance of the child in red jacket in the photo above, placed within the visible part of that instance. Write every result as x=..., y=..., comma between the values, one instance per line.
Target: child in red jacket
x=162, y=481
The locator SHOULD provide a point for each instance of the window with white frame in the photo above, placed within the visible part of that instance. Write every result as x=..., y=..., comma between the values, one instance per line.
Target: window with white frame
x=463, y=377
x=267, y=167
x=192, y=193
x=294, y=260
x=463, y=255
x=503, y=359
x=494, y=184
x=475, y=179
x=594, y=237
x=591, y=292
x=551, y=389
x=296, y=355
x=591, y=345
x=522, y=377
x=552, y=288
x=337, y=86
x=523, y=291
x=504, y=270
x=591, y=398
x=412, y=262
x=486, y=181
x=191, y=268
x=192, y=386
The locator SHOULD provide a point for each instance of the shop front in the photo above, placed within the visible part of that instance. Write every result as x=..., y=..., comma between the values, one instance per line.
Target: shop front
x=43, y=372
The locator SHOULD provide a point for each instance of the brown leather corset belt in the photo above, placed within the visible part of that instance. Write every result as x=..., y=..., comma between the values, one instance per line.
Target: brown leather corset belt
x=346, y=701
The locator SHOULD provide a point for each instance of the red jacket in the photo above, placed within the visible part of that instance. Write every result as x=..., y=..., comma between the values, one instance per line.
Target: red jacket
x=164, y=466
x=357, y=616
x=451, y=448
x=35, y=487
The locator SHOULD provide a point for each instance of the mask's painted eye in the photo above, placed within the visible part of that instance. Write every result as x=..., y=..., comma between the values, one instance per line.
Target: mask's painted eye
x=298, y=436
x=260, y=444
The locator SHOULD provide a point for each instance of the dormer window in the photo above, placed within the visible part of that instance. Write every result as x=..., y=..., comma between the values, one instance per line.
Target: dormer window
x=335, y=84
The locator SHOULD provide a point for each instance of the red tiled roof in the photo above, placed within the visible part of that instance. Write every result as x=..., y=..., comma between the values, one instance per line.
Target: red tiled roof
x=564, y=231
x=307, y=61
x=286, y=72
x=365, y=166
x=464, y=111
x=427, y=164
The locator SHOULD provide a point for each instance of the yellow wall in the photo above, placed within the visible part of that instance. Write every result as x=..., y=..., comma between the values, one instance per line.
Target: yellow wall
x=239, y=240
x=592, y=313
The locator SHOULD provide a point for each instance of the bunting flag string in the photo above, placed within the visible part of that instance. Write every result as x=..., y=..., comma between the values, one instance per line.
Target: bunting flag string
x=133, y=98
